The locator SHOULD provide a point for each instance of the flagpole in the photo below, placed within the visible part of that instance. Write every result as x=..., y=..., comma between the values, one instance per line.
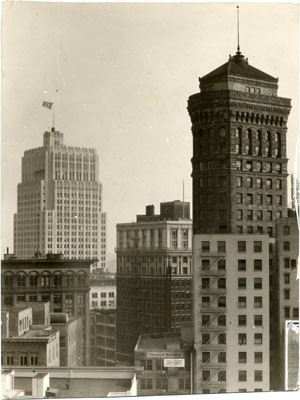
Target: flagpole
x=53, y=117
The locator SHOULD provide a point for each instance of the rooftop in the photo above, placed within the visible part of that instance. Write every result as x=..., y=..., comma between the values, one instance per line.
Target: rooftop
x=164, y=341
x=238, y=65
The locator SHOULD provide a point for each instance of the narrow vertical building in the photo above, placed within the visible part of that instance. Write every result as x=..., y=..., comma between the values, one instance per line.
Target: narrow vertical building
x=60, y=203
x=154, y=281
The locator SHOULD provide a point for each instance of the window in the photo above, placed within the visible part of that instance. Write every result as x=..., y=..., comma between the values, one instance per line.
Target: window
x=241, y=265
x=239, y=198
x=205, y=319
x=222, y=283
x=296, y=313
x=257, y=283
x=205, y=356
x=249, y=198
x=249, y=165
x=242, y=283
x=222, y=376
x=222, y=320
x=241, y=246
x=257, y=246
x=269, y=199
x=222, y=357
x=249, y=215
x=286, y=294
x=242, y=376
x=258, y=357
x=257, y=265
x=259, y=183
x=258, y=375
x=249, y=182
x=147, y=364
x=259, y=199
x=162, y=383
x=242, y=302
x=239, y=215
x=205, y=302
x=205, y=375
x=257, y=302
x=286, y=312
x=242, y=338
x=286, y=263
x=205, y=338
x=184, y=383
x=286, y=246
x=293, y=263
x=146, y=383
x=242, y=320
x=221, y=246
x=257, y=320
x=222, y=264
x=269, y=215
x=205, y=265
x=205, y=246
x=205, y=283
x=222, y=338
x=269, y=183
x=286, y=278
x=242, y=357
x=286, y=230
x=278, y=200
x=278, y=183
x=258, y=338
x=239, y=181
x=222, y=301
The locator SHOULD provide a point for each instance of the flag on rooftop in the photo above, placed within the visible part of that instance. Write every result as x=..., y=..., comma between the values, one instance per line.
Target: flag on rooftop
x=47, y=104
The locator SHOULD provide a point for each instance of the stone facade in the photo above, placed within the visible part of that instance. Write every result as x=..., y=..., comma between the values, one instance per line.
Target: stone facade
x=239, y=127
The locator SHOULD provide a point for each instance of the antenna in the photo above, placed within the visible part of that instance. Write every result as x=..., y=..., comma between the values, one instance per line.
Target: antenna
x=183, y=199
x=238, y=28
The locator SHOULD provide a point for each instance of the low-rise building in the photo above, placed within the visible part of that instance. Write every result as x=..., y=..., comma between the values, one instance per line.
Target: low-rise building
x=103, y=337
x=103, y=293
x=70, y=338
x=166, y=365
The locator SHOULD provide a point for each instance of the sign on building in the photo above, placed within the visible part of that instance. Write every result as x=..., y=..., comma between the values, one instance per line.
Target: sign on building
x=174, y=362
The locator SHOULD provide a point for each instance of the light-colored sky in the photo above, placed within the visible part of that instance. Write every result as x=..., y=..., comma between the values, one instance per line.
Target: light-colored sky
x=124, y=73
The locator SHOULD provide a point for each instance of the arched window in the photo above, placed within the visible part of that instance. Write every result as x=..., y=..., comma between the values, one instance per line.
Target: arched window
x=45, y=279
x=33, y=279
x=57, y=279
x=8, y=280
x=238, y=134
x=69, y=279
x=21, y=279
x=81, y=278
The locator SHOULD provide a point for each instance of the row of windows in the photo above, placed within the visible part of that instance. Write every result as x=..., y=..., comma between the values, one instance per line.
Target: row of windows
x=45, y=279
x=242, y=302
x=242, y=376
x=260, y=199
x=242, y=320
x=242, y=357
x=241, y=246
x=242, y=338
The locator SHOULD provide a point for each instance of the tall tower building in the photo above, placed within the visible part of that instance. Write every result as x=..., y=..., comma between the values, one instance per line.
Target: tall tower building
x=60, y=203
x=239, y=162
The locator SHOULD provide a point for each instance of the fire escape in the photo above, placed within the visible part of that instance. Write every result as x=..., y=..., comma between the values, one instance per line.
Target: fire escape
x=213, y=328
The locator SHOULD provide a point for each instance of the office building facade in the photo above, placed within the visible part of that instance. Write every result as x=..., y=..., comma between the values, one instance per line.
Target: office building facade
x=239, y=127
x=64, y=283
x=59, y=206
x=154, y=282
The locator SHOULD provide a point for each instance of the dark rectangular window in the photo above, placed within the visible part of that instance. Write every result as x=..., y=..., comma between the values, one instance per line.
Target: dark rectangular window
x=242, y=357
x=258, y=302
x=258, y=375
x=257, y=283
x=242, y=283
x=242, y=302
x=242, y=376
x=242, y=338
x=242, y=265
x=258, y=338
x=241, y=246
x=257, y=246
x=286, y=278
x=258, y=320
x=205, y=246
x=242, y=320
x=257, y=265
x=221, y=246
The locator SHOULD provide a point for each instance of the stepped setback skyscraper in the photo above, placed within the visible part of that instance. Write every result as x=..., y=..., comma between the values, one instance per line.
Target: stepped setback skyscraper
x=60, y=203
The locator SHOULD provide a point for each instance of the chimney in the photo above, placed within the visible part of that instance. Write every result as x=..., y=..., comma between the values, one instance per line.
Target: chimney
x=150, y=210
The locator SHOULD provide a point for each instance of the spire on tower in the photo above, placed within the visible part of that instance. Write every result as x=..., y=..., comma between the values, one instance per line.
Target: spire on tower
x=238, y=30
